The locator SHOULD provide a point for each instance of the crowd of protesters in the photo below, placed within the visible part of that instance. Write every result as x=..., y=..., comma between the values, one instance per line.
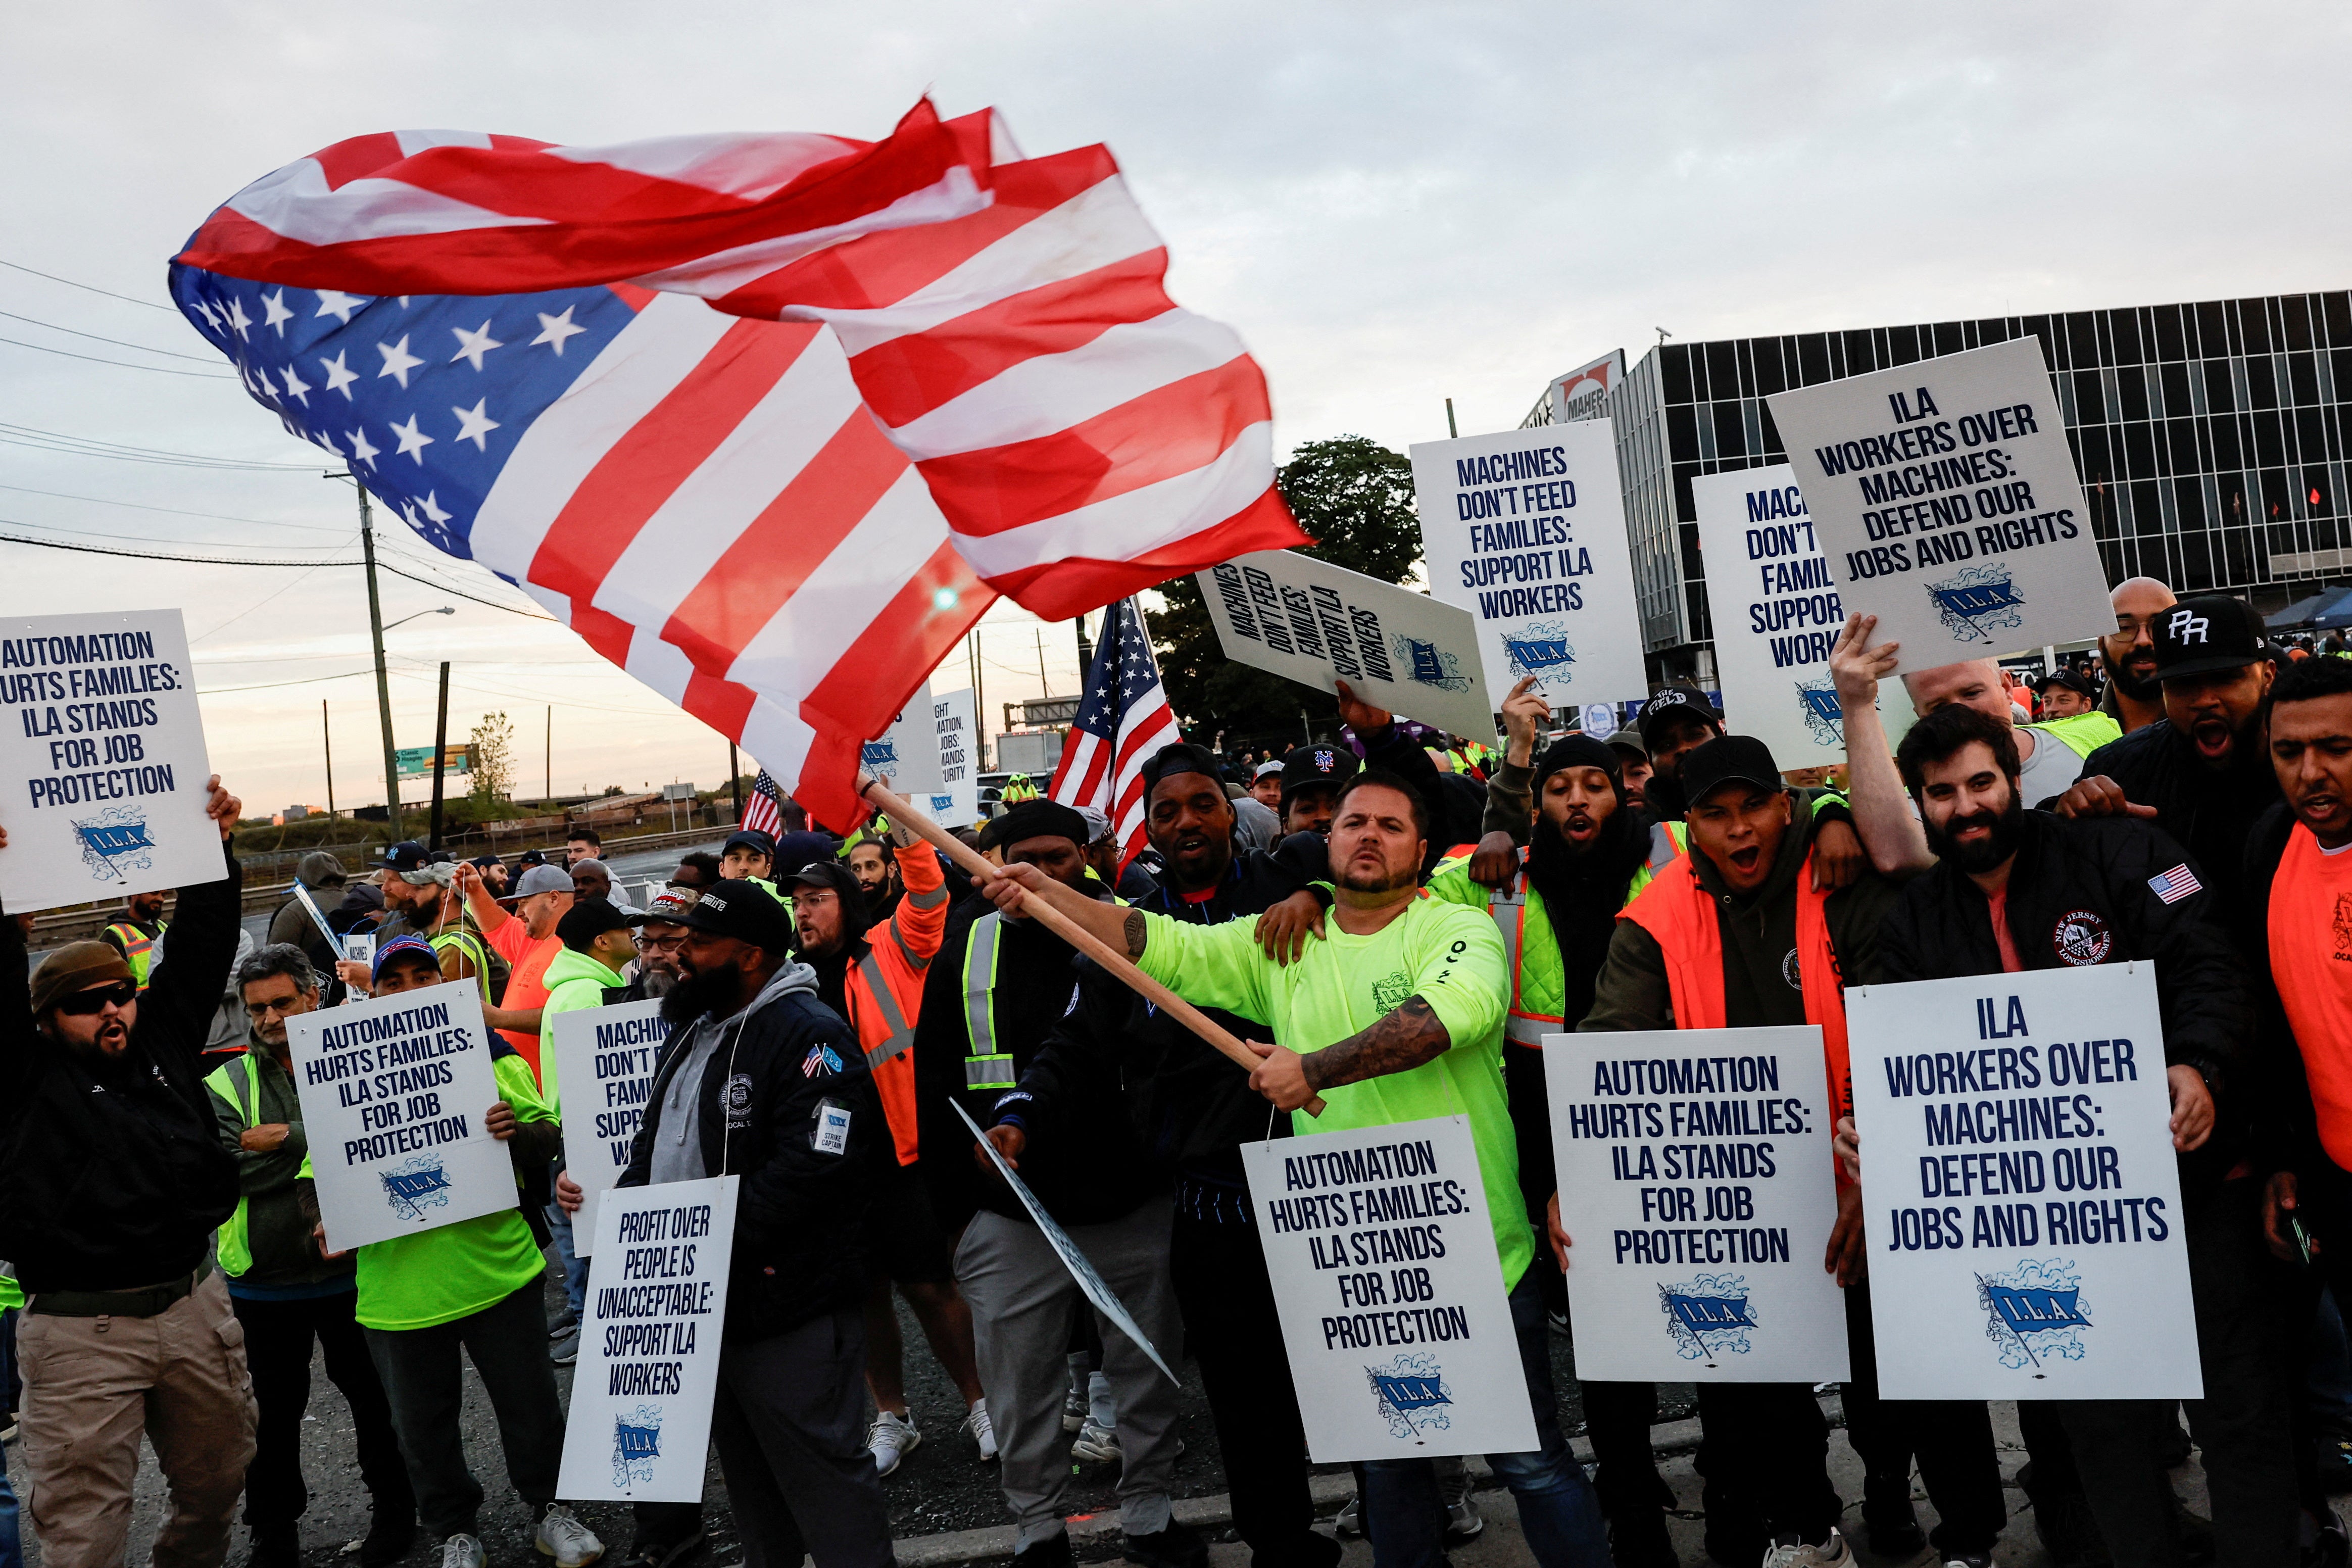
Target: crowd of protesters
x=169, y=1274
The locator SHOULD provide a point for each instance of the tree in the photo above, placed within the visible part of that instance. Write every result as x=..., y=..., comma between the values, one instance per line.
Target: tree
x=1354, y=497
x=493, y=741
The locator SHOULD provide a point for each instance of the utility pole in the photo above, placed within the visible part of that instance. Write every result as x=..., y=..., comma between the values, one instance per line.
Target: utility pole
x=980, y=697
x=382, y=682
x=1086, y=649
x=1450, y=430
x=327, y=734
x=735, y=781
x=440, y=752
x=551, y=753
x=1043, y=689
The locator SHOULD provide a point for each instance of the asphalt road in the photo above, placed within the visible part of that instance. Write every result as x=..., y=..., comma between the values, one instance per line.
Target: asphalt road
x=941, y=1486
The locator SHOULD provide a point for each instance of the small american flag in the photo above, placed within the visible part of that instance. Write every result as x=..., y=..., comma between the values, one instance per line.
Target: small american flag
x=1122, y=720
x=763, y=812
x=768, y=419
x=2176, y=884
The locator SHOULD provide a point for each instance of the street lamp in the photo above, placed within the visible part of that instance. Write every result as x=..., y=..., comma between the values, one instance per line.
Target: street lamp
x=443, y=610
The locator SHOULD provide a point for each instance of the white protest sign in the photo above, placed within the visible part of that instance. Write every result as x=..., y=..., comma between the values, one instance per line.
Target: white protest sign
x=1947, y=501
x=392, y=1094
x=639, y=1430
x=604, y=1064
x=907, y=753
x=1777, y=613
x=1697, y=1184
x=956, y=721
x=2018, y=1185
x=102, y=763
x=1525, y=530
x=1091, y=1284
x=1317, y=623
x=1390, y=1293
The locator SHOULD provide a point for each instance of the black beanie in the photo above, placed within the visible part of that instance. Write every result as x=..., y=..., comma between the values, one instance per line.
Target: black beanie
x=1580, y=751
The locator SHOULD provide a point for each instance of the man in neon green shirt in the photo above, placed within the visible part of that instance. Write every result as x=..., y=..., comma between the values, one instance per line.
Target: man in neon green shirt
x=1397, y=1015
x=473, y=1285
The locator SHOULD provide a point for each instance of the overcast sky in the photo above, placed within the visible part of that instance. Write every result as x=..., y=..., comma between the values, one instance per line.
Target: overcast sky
x=1393, y=204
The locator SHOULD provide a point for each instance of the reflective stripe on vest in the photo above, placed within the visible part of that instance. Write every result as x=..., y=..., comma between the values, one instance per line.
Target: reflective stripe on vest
x=244, y=1090
x=900, y=1038
x=1680, y=914
x=986, y=1068
x=138, y=948
x=470, y=947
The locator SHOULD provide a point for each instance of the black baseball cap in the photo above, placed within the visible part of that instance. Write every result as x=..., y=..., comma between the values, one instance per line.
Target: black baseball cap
x=589, y=919
x=1178, y=757
x=528, y=858
x=794, y=850
x=744, y=910
x=1729, y=759
x=406, y=856
x=1309, y=767
x=1675, y=705
x=2072, y=679
x=750, y=838
x=2207, y=634
x=1038, y=818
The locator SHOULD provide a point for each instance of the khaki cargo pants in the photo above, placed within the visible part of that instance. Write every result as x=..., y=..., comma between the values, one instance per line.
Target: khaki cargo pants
x=92, y=1384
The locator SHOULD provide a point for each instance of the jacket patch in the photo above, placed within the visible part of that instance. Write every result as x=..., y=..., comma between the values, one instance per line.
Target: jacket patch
x=820, y=1061
x=737, y=1098
x=1792, y=972
x=2343, y=924
x=2081, y=938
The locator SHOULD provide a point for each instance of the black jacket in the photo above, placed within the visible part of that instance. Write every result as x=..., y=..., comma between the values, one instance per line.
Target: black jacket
x=111, y=1174
x=2079, y=895
x=800, y=1215
x=1124, y=1088
x=2206, y=813
x=1036, y=983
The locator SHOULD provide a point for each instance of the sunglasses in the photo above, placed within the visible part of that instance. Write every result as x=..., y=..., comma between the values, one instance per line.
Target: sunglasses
x=122, y=992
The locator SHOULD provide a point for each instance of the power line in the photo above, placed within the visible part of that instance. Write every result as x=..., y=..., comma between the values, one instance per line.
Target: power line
x=349, y=537
x=19, y=267
x=118, y=343
x=274, y=685
x=180, y=511
x=117, y=363
x=90, y=446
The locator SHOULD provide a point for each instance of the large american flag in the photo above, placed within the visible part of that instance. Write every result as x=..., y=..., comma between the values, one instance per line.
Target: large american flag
x=935, y=371
x=1122, y=719
x=763, y=812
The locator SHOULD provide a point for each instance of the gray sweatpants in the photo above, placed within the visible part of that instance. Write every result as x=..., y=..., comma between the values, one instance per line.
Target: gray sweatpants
x=790, y=1427
x=1022, y=1300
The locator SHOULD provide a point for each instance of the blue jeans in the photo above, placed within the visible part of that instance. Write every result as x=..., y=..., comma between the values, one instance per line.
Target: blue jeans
x=12, y=1545
x=575, y=1267
x=1559, y=1513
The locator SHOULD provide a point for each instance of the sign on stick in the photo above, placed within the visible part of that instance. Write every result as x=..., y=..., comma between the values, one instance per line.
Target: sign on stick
x=908, y=753
x=956, y=721
x=1777, y=613
x=1948, y=505
x=1697, y=1186
x=639, y=1430
x=605, y=1071
x=1317, y=623
x=102, y=763
x=1390, y=1293
x=1525, y=530
x=393, y=1093
x=2018, y=1187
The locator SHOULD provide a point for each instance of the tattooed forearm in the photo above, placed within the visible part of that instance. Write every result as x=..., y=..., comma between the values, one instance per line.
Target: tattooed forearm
x=1398, y=1042
x=1135, y=934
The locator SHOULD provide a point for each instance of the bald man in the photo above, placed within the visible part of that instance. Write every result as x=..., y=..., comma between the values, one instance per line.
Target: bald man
x=2052, y=753
x=2134, y=699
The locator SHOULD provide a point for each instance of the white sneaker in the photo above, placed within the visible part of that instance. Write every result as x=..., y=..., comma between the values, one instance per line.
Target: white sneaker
x=1463, y=1519
x=1349, y=1522
x=1831, y=1554
x=1097, y=1443
x=891, y=1438
x=983, y=1430
x=462, y=1552
x=561, y=1536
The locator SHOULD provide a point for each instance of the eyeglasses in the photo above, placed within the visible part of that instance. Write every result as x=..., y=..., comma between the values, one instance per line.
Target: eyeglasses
x=122, y=992
x=661, y=943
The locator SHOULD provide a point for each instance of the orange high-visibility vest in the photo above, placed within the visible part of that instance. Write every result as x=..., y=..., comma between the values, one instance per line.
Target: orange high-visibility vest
x=1680, y=914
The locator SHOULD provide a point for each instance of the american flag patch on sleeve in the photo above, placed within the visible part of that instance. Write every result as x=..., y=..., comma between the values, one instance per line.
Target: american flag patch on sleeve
x=2176, y=884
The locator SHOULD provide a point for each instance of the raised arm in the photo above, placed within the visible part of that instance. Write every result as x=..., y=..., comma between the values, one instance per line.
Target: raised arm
x=1882, y=807
x=481, y=901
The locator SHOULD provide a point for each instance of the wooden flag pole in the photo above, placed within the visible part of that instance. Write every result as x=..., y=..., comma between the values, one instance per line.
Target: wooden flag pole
x=1117, y=964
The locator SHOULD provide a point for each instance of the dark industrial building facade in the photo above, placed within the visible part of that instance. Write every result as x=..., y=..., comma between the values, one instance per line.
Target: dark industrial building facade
x=2211, y=440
